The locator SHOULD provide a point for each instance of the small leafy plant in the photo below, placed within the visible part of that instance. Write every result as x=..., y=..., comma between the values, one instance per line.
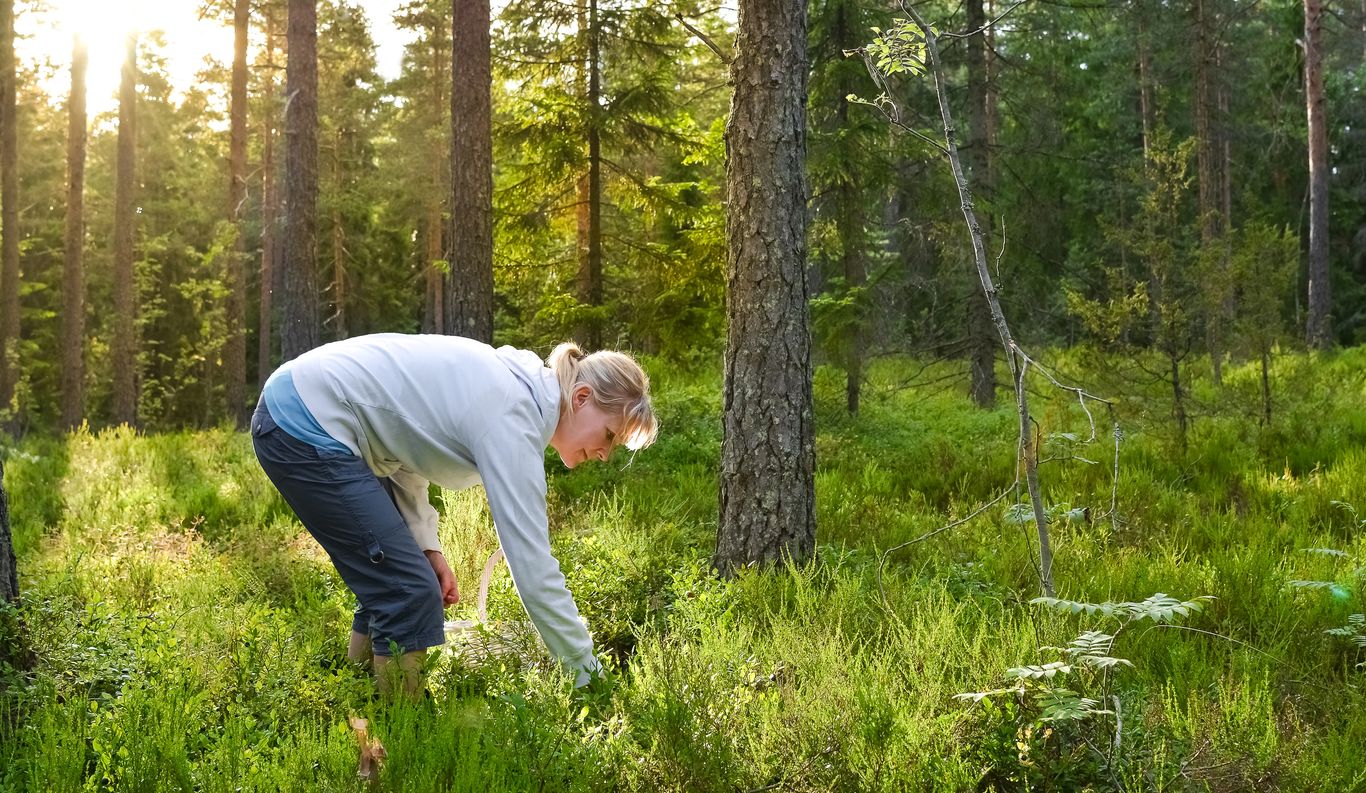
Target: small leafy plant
x=1334, y=585
x=1354, y=631
x=1076, y=687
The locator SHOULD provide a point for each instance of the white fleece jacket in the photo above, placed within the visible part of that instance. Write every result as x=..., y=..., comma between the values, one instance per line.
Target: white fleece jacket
x=454, y=411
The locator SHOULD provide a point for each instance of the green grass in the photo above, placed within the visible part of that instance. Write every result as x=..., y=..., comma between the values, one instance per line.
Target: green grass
x=184, y=634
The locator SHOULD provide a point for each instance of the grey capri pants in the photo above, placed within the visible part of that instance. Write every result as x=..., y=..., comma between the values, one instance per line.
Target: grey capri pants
x=352, y=515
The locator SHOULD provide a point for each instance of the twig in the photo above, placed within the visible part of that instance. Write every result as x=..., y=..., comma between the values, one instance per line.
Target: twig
x=905, y=128
x=1027, y=457
x=828, y=750
x=1017, y=365
x=1082, y=395
x=1114, y=481
x=704, y=37
x=882, y=558
x=1215, y=635
x=1119, y=721
x=972, y=33
x=1110, y=769
x=1001, y=255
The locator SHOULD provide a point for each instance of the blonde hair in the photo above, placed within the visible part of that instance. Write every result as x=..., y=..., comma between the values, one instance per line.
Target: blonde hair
x=618, y=386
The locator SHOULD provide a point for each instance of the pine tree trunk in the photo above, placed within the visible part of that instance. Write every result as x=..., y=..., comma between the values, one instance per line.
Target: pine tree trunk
x=434, y=305
x=125, y=343
x=73, y=270
x=1228, y=308
x=469, y=293
x=850, y=223
x=9, y=212
x=1145, y=75
x=590, y=267
x=1208, y=157
x=269, y=211
x=339, y=286
x=856, y=276
x=1147, y=112
x=235, y=350
x=301, y=327
x=1319, y=328
x=582, y=282
x=1225, y=167
x=982, y=337
x=595, y=286
x=1205, y=144
x=9, y=569
x=767, y=499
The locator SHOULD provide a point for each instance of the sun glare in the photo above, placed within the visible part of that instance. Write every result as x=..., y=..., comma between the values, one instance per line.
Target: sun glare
x=104, y=26
x=102, y=23
x=45, y=36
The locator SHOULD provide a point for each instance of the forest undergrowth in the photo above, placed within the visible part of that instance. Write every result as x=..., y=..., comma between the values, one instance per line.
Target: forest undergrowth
x=178, y=631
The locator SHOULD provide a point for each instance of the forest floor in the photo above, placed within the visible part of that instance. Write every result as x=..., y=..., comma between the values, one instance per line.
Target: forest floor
x=182, y=633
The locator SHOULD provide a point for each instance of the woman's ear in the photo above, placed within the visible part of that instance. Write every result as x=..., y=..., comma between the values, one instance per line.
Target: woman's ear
x=581, y=394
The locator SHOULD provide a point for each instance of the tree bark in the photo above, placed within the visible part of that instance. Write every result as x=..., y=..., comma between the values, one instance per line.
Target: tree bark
x=73, y=270
x=767, y=498
x=981, y=335
x=9, y=572
x=1319, y=328
x=269, y=210
x=125, y=343
x=9, y=211
x=469, y=293
x=301, y=328
x=235, y=350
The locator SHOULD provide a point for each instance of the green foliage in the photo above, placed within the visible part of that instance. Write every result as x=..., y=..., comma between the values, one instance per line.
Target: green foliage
x=1354, y=632
x=1158, y=608
x=900, y=49
x=1048, y=703
x=659, y=127
x=183, y=627
x=1077, y=203
x=1156, y=236
x=1265, y=263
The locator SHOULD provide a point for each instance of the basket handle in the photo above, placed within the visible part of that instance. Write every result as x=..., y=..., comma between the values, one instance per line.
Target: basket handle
x=482, y=603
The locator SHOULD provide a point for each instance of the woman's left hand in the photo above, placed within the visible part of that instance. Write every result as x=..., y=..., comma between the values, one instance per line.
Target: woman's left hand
x=450, y=593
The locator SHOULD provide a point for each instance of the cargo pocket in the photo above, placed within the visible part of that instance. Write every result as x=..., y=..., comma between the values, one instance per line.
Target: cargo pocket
x=261, y=422
x=372, y=547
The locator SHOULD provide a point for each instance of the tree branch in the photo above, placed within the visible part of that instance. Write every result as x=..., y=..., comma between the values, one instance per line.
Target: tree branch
x=704, y=37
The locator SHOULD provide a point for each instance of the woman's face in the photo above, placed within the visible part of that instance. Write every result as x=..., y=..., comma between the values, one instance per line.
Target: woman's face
x=587, y=433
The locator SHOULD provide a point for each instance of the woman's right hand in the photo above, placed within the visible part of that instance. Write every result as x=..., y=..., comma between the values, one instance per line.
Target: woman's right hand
x=450, y=592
